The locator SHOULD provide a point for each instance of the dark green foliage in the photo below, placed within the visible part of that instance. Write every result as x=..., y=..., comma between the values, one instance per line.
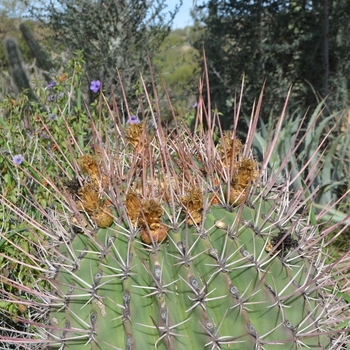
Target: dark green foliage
x=281, y=42
x=112, y=36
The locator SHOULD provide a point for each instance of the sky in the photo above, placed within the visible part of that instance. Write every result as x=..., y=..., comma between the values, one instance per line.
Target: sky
x=183, y=18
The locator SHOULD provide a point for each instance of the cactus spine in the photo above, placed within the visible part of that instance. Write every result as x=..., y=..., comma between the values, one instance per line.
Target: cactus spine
x=167, y=240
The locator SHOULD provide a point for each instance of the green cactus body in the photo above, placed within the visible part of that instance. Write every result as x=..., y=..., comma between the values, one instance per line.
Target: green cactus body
x=236, y=278
x=212, y=287
x=168, y=240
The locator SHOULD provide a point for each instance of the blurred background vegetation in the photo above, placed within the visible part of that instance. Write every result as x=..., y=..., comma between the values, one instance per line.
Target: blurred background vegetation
x=301, y=43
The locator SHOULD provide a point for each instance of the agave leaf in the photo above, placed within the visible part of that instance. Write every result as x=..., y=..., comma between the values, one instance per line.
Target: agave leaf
x=312, y=132
x=332, y=215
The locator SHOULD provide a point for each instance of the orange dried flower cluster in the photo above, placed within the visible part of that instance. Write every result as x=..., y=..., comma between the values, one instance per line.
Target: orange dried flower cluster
x=134, y=133
x=88, y=197
x=246, y=172
x=62, y=78
x=146, y=215
x=229, y=149
x=133, y=207
x=89, y=165
x=90, y=202
x=193, y=202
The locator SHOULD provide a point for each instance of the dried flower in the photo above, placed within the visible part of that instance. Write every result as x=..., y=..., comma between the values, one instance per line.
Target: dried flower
x=146, y=215
x=90, y=166
x=133, y=133
x=151, y=214
x=193, y=203
x=237, y=196
x=247, y=171
x=89, y=201
x=133, y=207
x=229, y=148
x=62, y=78
x=95, y=86
x=103, y=217
x=154, y=236
x=18, y=159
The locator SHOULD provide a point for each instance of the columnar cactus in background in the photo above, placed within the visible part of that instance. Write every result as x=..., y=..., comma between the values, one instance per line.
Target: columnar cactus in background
x=42, y=59
x=165, y=239
x=16, y=68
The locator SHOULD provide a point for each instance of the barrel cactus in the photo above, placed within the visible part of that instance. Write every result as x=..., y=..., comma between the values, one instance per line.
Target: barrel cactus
x=170, y=239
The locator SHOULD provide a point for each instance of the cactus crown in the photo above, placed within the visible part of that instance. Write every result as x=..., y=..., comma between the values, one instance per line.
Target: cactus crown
x=170, y=239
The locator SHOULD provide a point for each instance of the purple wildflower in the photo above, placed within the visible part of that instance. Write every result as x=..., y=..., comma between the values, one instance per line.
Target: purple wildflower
x=51, y=85
x=195, y=105
x=18, y=159
x=51, y=98
x=133, y=120
x=95, y=86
